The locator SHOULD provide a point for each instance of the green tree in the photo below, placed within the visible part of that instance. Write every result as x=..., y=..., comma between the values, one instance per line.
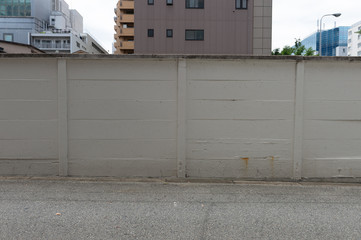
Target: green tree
x=297, y=49
x=310, y=52
x=287, y=50
x=276, y=51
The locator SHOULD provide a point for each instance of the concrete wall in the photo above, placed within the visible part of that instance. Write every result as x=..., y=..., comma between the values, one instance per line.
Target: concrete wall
x=184, y=116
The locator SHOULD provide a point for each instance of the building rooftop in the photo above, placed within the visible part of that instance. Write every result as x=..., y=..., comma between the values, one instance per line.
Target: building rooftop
x=4, y=44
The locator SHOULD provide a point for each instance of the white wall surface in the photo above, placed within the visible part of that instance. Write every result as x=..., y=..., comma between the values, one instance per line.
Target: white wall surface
x=250, y=118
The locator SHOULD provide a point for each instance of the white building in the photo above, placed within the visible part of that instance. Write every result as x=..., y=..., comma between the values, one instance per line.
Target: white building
x=354, y=40
x=47, y=24
x=66, y=41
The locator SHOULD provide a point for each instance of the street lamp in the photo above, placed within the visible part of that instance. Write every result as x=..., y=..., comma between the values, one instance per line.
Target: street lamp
x=335, y=15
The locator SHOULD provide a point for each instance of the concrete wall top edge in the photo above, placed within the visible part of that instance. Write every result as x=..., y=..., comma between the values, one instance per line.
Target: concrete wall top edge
x=165, y=56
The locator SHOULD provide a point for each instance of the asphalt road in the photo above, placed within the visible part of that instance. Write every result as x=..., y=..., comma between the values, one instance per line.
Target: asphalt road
x=44, y=209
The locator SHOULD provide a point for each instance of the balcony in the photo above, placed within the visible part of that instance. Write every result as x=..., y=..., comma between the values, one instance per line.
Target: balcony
x=126, y=4
x=126, y=32
x=127, y=18
x=117, y=44
x=127, y=45
x=52, y=45
x=115, y=19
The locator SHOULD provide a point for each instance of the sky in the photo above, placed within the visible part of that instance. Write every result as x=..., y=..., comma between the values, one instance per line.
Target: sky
x=291, y=18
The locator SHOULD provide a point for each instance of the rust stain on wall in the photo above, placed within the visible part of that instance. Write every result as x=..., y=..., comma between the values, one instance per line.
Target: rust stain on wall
x=246, y=162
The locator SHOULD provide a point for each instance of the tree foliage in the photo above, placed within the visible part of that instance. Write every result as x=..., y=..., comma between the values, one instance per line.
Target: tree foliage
x=297, y=49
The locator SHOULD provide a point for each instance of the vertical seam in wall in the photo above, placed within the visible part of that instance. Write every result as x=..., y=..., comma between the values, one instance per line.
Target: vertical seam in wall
x=62, y=118
x=181, y=117
x=298, y=120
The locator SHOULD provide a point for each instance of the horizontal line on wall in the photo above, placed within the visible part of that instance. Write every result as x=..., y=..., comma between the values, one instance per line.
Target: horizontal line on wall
x=118, y=139
x=124, y=80
x=29, y=159
x=330, y=101
x=240, y=100
x=250, y=120
x=249, y=158
x=120, y=120
x=239, y=140
x=239, y=80
x=121, y=100
x=334, y=159
x=73, y=99
x=28, y=120
x=125, y=119
x=30, y=79
x=27, y=100
x=123, y=159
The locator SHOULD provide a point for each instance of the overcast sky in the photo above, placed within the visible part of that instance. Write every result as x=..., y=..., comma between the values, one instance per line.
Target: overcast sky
x=291, y=18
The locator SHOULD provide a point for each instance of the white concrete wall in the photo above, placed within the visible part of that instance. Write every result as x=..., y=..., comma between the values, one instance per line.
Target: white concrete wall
x=240, y=118
x=251, y=118
x=28, y=117
x=122, y=118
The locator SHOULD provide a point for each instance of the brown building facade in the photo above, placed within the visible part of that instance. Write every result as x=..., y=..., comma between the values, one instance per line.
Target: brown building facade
x=124, y=27
x=194, y=27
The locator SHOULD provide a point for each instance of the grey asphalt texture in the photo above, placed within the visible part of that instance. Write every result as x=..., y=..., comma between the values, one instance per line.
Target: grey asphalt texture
x=52, y=209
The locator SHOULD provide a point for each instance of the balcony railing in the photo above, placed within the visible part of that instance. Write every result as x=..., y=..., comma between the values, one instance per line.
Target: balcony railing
x=52, y=45
x=127, y=45
x=127, y=32
x=127, y=18
x=126, y=4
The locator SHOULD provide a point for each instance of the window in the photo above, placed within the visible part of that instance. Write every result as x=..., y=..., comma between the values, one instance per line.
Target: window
x=46, y=44
x=57, y=43
x=195, y=35
x=15, y=8
x=241, y=4
x=169, y=33
x=150, y=2
x=9, y=37
x=194, y=3
x=169, y=2
x=150, y=32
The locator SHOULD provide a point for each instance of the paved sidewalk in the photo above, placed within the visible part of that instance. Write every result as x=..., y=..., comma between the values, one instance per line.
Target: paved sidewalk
x=49, y=209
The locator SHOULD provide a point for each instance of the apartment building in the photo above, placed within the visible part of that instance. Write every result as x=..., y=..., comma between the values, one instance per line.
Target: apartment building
x=193, y=27
x=124, y=27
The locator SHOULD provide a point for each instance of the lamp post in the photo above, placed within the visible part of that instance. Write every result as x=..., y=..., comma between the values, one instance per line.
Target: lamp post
x=335, y=15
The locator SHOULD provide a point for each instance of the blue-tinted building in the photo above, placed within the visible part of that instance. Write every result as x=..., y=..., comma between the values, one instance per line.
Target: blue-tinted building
x=334, y=41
